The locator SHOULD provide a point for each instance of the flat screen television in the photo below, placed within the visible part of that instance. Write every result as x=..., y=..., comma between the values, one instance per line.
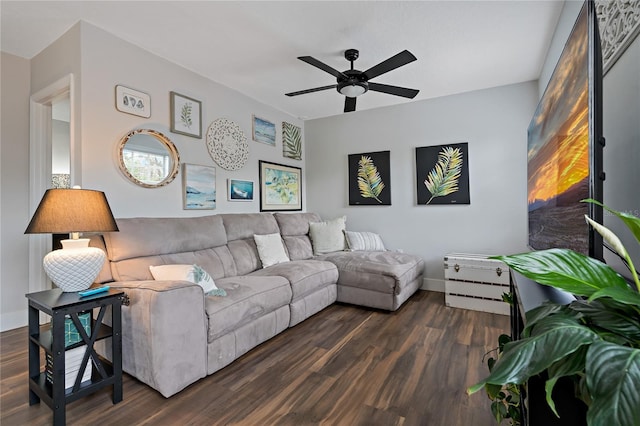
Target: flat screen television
x=564, y=157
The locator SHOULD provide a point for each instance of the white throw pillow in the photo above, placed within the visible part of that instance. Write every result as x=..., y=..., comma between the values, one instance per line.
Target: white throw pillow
x=364, y=241
x=328, y=236
x=270, y=249
x=191, y=273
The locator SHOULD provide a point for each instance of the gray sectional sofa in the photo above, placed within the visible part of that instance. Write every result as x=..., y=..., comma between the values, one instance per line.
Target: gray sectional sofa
x=173, y=334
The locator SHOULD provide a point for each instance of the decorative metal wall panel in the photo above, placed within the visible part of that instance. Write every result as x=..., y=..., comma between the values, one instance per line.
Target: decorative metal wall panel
x=619, y=22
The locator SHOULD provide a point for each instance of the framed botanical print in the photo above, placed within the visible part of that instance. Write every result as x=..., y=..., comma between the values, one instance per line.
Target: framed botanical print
x=186, y=115
x=291, y=141
x=443, y=174
x=370, y=179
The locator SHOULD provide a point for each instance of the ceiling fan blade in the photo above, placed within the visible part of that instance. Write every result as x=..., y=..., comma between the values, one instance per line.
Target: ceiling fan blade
x=393, y=90
x=324, y=67
x=315, y=89
x=349, y=104
x=402, y=58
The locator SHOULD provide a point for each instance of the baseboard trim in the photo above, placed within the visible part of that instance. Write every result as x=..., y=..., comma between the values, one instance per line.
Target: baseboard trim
x=432, y=284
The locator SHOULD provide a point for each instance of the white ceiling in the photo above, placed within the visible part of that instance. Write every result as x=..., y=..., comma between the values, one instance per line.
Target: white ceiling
x=252, y=46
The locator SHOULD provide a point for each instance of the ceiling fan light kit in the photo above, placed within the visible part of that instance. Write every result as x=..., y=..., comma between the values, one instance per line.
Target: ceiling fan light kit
x=353, y=90
x=353, y=83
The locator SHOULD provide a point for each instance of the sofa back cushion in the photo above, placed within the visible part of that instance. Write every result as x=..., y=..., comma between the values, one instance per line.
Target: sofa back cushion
x=240, y=228
x=104, y=276
x=143, y=242
x=294, y=228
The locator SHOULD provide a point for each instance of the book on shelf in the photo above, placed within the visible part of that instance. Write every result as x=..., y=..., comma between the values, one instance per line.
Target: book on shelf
x=72, y=361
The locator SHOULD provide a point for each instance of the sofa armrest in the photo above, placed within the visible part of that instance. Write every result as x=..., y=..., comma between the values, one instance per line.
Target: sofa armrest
x=164, y=333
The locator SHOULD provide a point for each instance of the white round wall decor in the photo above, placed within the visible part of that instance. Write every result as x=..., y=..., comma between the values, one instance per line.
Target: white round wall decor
x=227, y=144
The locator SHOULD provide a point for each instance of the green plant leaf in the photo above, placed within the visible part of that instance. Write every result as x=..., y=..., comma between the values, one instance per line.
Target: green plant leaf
x=552, y=339
x=613, y=374
x=443, y=178
x=604, y=317
x=370, y=183
x=493, y=390
x=536, y=314
x=568, y=366
x=632, y=222
x=566, y=270
x=622, y=295
x=503, y=339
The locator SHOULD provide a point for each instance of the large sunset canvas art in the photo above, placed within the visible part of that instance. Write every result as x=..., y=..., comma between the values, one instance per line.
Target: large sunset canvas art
x=558, y=154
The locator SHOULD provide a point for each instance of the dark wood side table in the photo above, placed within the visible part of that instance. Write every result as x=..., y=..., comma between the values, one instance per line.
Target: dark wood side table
x=59, y=304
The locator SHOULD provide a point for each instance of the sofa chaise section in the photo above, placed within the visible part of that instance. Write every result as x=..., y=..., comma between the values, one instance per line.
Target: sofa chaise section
x=379, y=279
x=376, y=279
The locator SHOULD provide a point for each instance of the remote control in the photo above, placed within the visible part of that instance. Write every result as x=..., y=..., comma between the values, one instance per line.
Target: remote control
x=93, y=291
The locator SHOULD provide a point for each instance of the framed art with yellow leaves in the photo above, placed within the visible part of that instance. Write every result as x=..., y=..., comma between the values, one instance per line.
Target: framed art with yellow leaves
x=442, y=174
x=370, y=179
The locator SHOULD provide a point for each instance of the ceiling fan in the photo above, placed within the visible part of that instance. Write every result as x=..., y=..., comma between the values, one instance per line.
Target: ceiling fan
x=353, y=83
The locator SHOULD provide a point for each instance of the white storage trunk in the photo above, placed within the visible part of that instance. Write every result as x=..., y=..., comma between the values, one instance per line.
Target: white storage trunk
x=473, y=281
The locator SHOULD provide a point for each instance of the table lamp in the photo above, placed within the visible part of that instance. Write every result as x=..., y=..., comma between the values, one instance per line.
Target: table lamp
x=61, y=211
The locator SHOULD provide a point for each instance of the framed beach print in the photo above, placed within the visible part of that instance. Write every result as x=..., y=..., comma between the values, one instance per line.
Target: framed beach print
x=186, y=115
x=370, y=179
x=133, y=102
x=198, y=187
x=280, y=187
x=263, y=131
x=443, y=174
x=239, y=190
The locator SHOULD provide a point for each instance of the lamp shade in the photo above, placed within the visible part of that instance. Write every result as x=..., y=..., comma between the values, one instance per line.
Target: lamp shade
x=76, y=265
x=64, y=211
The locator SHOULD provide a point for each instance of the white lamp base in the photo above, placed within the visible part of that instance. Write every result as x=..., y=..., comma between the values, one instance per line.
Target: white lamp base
x=75, y=266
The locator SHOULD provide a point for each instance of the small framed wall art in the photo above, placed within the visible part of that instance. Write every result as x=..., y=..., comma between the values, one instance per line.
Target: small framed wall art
x=186, y=115
x=133, y=102
x=198, y=187
x=291, y=141
x=370, y=179
x=443, y=174
x=280, y=187
x=239, y=190
x=263, y=131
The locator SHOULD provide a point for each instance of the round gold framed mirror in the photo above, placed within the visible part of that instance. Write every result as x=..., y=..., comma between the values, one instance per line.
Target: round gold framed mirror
x=148, y=158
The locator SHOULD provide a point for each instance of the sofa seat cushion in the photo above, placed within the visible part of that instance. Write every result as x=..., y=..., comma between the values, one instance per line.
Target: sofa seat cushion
x=383, y=271
x=305, y=276
x=248, y=298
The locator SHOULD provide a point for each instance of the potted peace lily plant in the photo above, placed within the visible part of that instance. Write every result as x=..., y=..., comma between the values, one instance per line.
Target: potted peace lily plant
x=595, y=340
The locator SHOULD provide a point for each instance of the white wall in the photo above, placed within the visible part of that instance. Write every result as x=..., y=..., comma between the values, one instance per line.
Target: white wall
x=108, y=61
x=492, y=121
x=60, y=146
x=99, y=61
x=621, y=128
x=14, y=190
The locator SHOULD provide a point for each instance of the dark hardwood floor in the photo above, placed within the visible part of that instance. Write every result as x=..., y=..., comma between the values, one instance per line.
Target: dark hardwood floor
x=346, y=365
